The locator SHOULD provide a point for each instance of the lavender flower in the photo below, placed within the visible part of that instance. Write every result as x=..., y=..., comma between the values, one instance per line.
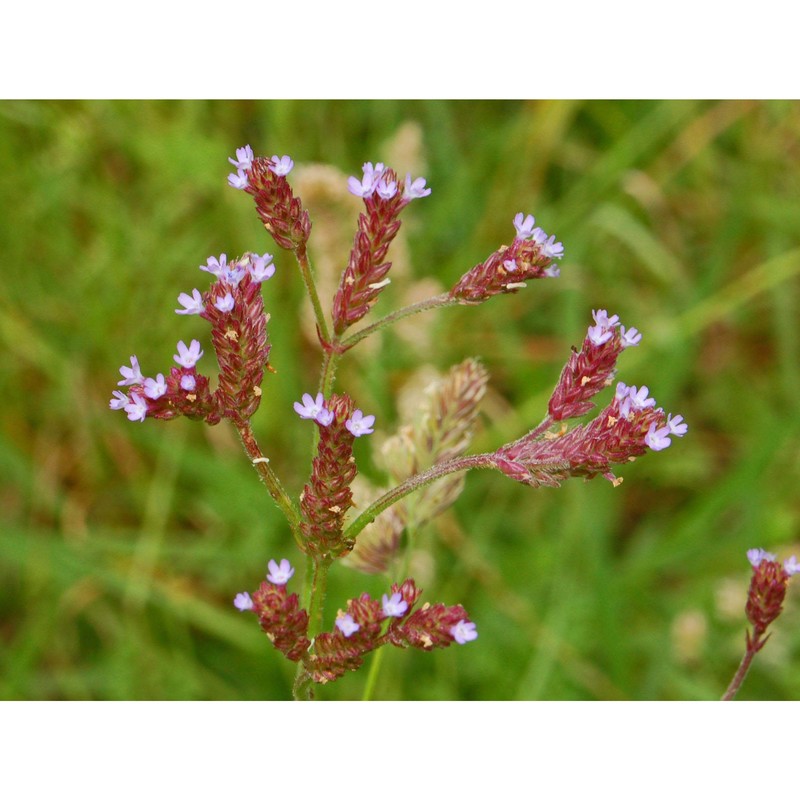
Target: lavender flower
x=261, y=268
x=676, y=425
x=415, y=189
x=279, y=574
x=244, y=157
x=791, y=565
x=281, y=165
x=243, y=601
x=225, y=304
x=118, y=401
x=657, y=438
x=387, y=189
x=192, y=304
x=394, y=606
x=464, y=632
x=361, y=188
x=188, y=356
x=136, y=409
x=131, y=375
x=347, y=625
x=215, y=266
x=238, y=180
x=188, y=383
x=757, y=554
x=314, y=408
x=630, y=338
x=552, y=249
x=359, y=425
x=155, y=387
x=524, y=225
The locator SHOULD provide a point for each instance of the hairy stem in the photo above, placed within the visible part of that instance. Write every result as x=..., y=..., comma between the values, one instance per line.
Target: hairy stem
x=482, y=461
x=753, y=646
x=440, y=301
x=270, y=479
x=301, y=255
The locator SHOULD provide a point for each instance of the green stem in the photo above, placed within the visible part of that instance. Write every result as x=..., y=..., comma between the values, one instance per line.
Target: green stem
x=440, y=301
x=270, y=479
x=753, y=646
x=372, y=675
x=301, y=255
x=482, y=461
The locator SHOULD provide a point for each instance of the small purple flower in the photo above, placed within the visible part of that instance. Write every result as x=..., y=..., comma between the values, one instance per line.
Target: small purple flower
x=188, y=383
x=279, y=574
x=347, y=625
x=552, y=271
x=312, y=408
x=132, y=374
x=603, y=320
x=640, y=400
x=136, y=409
x=359, y=425
x=657, y=438
x=366, y=186
x=464, y=632
x=361, y=188
x=325, y=417
x=225, y=304
x=244, y=157
x=676, y=425
x=394, y=606
x=598, y=335
x=261, y=268
x=155, y=388
x=524, y=225
x=192, y=304
x=118, y=401
x=216, y=266
x=243, y=601
x=415, y=189
x=188, y=356
x=281, y=165
x=791, y=566
x=757, y=554
x=552, y=249
x=387, y=190
x=239, y=180
x=623, y=396
x=630, y=337
x=510, y=265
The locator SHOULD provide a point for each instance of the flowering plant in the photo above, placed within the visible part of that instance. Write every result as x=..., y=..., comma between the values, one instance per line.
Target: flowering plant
x=426, y=459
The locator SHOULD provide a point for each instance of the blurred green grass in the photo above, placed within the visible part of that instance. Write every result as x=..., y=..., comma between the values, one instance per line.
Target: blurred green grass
x=123, y=544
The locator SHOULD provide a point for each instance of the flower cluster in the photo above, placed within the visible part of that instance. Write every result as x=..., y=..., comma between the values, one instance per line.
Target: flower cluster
x=235, y=310
x=767, y=592
x=429, y=449
x=281, y=212
x=327, y=495
x=385, y=196
x=529, y=257
x=627, y=428
x=364, y=626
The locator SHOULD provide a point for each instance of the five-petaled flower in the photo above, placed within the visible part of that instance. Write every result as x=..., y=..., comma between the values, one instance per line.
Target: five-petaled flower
x=359, y=425
x=279, y=574
x=464, y=631
x=394, y=606
x=347, y=625
x=243, y=601
x=188, y=356
x=314, y=408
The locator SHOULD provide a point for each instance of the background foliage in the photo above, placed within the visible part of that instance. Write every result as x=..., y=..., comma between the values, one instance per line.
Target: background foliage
x=122, y=545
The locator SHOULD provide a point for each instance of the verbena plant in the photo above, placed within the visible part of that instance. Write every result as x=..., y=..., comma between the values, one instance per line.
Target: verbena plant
x=426, y=458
